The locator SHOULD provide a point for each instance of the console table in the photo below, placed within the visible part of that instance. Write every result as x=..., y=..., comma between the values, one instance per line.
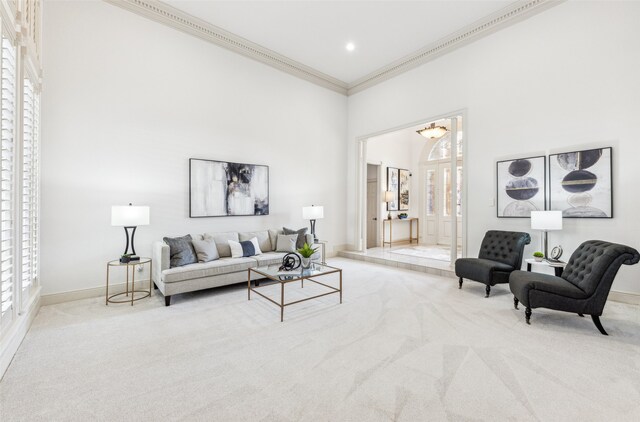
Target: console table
x=396, y=220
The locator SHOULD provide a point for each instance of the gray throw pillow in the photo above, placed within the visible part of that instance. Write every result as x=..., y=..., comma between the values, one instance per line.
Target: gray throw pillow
x=286, y=243
x=181, y=251
x=206, y=249
x=301, y=236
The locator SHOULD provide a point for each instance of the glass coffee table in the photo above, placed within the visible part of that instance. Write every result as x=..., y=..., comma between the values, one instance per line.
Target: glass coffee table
x=273, y=273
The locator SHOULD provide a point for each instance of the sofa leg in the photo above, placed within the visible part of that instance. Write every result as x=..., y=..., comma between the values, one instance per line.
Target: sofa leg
x=460, y=283
x=155, y=287
x=596, y=320
x=515, y=302
x=527, y=315
x=487, y=290
x=581, y=315
x=167, y=300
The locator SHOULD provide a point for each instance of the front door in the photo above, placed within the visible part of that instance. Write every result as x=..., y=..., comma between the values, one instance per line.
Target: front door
x=438, y=213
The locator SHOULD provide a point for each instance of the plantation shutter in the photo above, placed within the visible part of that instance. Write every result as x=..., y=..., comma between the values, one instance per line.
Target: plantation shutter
x=30, y=176
x=7, y=200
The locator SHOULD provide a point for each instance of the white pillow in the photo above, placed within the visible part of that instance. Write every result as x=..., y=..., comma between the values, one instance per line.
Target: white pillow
x=206, y=249
x=246, y=248
x=286, y=243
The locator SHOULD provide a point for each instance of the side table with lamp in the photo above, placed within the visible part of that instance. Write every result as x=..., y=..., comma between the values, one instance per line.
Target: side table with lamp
x=546, y=221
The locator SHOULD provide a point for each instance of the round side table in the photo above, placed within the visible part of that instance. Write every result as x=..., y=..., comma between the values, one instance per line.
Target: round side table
x=132, y=265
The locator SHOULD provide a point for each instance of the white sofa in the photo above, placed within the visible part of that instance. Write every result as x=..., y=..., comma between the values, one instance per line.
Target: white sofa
x=221, y=272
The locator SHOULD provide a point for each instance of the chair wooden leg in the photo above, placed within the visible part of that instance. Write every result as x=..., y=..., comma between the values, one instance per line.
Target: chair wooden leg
x=580, y=315
x=515, y=302
x=460, y=283
x=527, y=315
x=596, y=321
x=487, y=290
x=167, y=300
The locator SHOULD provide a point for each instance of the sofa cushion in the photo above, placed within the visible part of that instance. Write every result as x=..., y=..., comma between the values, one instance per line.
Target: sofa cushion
x=269, y=258
x=302, y=239
x=523, y=283
x=181, y=251
x=206, y=249
x=245, y=248
x=273, y=237
x=263, y=239
x=286, y=243
x=482, y=270
x=208, y=269
x=222, y=242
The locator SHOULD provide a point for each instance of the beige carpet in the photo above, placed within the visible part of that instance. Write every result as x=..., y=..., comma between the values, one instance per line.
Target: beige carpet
x=404, y=346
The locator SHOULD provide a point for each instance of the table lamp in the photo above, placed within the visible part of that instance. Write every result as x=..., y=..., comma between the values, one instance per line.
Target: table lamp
x=389, y=196
x=312, y=214
x=545, y=221
x=130, y=217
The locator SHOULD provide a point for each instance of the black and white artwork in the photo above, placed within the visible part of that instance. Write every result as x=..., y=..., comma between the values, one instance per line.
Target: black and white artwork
x=521, y=186
x=403, y=189
x=392, y=186
x=580, y=183
x=220, y=188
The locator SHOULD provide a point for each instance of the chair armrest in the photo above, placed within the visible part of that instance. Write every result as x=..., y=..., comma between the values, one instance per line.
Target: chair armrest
x=161, y=257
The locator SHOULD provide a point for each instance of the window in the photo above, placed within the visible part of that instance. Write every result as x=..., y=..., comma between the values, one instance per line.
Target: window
x=442, y=149
x=431, y=192
x=7, y=200
x=30, y=186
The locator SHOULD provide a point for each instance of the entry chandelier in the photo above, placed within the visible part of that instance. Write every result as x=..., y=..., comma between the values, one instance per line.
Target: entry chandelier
x=433, y=131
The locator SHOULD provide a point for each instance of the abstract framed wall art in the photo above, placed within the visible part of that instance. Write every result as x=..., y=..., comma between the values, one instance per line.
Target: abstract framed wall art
x=392, y=186
x=521, y=186
x=221, y=188
x=580, y=183
x=403, y=189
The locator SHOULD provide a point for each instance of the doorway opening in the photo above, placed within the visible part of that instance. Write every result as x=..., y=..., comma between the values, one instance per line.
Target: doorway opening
x=416, y=183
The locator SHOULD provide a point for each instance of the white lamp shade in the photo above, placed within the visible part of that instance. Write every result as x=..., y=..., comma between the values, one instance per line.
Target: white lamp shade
x=129, y=215
x=313, y=212
x=546, y=220
x=389, y=196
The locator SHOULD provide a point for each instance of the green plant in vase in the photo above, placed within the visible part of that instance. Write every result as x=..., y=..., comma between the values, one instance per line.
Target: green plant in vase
x=306, y=252
x=538, y=256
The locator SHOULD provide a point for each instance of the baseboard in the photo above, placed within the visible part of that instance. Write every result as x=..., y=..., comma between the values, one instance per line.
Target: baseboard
x=11, y=342
x=52, y=299
x=625, y=297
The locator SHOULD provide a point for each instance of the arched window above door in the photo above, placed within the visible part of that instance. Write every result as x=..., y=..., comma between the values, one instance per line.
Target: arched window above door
x=442, y=149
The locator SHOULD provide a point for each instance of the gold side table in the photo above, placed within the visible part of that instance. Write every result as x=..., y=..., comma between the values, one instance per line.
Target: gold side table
x=132, y=265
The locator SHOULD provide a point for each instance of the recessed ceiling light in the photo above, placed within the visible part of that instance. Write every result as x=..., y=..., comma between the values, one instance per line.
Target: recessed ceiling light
x=350, y=46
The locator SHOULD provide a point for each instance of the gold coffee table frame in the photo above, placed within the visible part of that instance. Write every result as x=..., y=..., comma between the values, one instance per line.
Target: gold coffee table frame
x=132, y=264
x=270, y=272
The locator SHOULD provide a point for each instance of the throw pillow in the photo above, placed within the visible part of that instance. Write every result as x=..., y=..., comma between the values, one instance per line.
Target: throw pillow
x=301, y=236
x=206, y=249
x=245, y=248
x=286, y=243
x=181, y=251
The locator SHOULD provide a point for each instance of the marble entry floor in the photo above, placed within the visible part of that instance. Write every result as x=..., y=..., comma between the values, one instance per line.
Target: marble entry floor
x=385, y=256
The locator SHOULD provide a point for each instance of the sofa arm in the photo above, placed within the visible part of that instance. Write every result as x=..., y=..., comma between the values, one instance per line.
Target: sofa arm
x=160, y=255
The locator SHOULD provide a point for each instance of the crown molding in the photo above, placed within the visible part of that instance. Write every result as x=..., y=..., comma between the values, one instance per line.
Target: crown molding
x=177, y=19
x=509, y=15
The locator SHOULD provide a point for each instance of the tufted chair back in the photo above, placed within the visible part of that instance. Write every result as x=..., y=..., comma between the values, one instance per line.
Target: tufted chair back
x=505, y=247
x=593, y=266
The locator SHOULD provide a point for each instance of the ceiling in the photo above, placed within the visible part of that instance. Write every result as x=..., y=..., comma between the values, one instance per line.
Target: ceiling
x=315, y=33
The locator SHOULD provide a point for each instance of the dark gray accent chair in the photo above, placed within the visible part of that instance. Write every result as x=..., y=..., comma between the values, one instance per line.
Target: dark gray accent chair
x=500, y=254
x=584, y=285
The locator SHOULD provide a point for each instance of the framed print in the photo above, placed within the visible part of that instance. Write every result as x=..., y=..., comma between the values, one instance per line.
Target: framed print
x=580, y=183
x=403, y=189
x=521, y=186
x=221, y=188
x=392, y=186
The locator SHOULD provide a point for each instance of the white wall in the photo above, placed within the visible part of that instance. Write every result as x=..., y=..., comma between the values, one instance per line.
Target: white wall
x=562, y=80
x=396, y=149
x=127, y=102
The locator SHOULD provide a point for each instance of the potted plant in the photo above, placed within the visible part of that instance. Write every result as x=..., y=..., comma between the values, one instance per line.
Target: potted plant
x=306, y=252
x=403, y=215
x=538, y=256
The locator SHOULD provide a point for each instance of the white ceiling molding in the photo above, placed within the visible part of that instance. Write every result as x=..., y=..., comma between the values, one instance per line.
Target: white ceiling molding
x=509, y=15
x=175, y=18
